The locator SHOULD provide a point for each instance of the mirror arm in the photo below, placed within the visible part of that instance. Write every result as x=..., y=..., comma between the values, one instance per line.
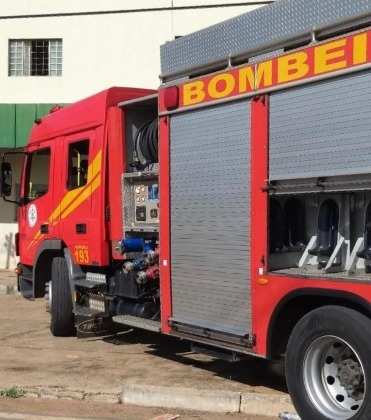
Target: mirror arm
x=18, y=202
x=3, y=156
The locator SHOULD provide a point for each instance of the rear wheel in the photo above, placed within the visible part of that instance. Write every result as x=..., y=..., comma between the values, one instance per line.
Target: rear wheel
x=61, y=308
x=328, y=366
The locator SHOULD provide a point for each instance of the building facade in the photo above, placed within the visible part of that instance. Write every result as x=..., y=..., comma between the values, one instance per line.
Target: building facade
x=58, y=52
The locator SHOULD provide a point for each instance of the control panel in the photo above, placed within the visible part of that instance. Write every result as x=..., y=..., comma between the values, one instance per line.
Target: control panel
x=141, y=201
x=146, y=203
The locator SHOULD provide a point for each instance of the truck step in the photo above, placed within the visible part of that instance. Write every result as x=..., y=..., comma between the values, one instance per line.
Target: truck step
x=97, y=278
x=92, y=280
x=229, y=356
x=86, y=283
x=86, y=312
x=137, y=322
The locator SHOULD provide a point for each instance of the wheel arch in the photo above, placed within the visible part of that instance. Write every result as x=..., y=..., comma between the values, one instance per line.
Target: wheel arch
x=300, y=302
x=41, y=272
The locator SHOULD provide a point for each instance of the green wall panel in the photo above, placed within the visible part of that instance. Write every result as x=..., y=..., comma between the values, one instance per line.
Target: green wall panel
x=43, y=109
x=25, y=115
x=7, y=125
x=16, y=121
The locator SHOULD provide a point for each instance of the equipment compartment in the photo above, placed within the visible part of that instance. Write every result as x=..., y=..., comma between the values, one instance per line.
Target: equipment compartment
x=327, y=235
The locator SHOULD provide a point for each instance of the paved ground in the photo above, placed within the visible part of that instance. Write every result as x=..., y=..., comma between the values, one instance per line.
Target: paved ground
x=7, y=278
x=31, y=357
x=85, y=410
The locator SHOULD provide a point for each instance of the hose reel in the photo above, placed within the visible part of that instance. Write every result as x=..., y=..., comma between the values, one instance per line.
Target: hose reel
x=146, y=145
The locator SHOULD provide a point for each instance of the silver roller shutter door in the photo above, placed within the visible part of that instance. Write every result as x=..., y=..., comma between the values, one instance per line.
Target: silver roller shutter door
x=321, y=129
x=210, y=214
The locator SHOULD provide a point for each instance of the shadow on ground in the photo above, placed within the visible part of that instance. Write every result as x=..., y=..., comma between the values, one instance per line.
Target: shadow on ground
x=251, y=371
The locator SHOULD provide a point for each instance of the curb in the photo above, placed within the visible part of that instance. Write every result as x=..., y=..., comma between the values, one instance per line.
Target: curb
x=61, y=393
x=265, y=405
x=21, y=416
x=205, y=400
x=215, y=401
x=181, y=398
x=8, y=289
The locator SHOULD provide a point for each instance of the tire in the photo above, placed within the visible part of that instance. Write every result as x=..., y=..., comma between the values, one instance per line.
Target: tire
x=62, y=318
x=48, y=296
x=328, y=365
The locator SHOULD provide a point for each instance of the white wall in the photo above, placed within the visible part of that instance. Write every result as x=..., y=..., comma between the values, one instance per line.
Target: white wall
x=98, y=51
x=8, y=260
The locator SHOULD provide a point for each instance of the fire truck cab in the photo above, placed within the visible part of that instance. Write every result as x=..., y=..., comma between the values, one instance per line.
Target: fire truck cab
x=66, y=186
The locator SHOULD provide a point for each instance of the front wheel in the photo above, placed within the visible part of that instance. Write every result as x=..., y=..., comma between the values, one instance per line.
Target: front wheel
x=328, y=365
x=61, y=308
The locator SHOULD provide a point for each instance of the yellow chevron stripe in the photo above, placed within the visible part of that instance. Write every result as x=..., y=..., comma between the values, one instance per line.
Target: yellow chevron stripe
x=73, y=199
x=82, y=197
x=93, y=169
x=95, y=166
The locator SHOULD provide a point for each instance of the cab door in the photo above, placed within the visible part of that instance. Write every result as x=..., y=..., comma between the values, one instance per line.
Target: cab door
x=80, y=216
x=35, y=223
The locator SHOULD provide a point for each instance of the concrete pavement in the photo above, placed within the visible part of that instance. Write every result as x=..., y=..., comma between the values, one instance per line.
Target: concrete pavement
x=8, y=282
x=57, y=410
x=96, y=369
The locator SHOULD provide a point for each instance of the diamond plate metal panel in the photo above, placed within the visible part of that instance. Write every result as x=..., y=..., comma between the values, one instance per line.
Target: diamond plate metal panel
x=210, y=212
x=281, y=20
x=322, y=129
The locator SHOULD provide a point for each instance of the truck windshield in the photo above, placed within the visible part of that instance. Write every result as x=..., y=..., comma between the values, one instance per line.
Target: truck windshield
x=37, y=174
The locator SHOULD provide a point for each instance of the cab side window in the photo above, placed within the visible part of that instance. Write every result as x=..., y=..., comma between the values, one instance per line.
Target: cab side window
x=37, y=181
x=78, y=160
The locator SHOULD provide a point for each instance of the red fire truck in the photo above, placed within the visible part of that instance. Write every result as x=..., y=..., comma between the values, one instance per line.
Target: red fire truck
x=232, y=208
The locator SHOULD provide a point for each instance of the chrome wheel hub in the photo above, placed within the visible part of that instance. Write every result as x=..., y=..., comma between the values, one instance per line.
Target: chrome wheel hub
x=334, y=377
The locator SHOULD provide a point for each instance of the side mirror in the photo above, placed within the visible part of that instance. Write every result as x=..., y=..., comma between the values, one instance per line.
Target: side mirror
x=6, y=179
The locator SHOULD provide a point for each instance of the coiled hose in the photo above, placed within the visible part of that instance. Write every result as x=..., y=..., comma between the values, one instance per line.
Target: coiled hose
x=146, y=144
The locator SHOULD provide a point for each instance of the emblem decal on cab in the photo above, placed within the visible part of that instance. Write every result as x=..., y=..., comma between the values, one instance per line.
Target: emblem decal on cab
x=32, y=215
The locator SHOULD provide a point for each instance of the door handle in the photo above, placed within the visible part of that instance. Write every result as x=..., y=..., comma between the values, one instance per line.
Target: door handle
x=81, y=228
x=44, y=229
